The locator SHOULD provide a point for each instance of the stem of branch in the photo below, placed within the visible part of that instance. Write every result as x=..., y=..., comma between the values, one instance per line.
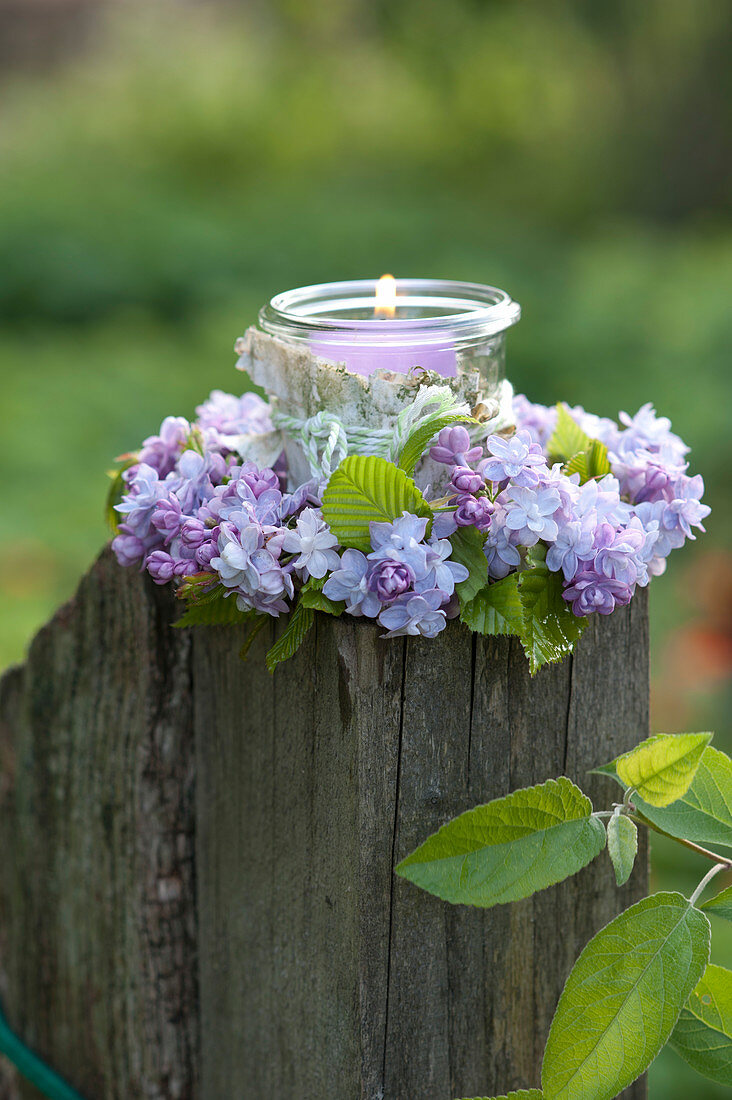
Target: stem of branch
x=723, y=861
x=705, y=881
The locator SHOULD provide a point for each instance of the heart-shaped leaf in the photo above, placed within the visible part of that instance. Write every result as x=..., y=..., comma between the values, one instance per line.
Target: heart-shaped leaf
x=623, y=998
x=704, y=813
x=720, y=905
x=703, y=1034
x=567, y=439
x=366, y=489
x=550, y=628
x=497, y=608
x=509, y=848
x=467, y=549
x=662, y=768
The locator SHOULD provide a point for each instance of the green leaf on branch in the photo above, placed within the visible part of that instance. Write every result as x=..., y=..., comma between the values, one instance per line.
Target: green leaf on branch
x=366, y=489
x=550, y=628
x=662, y=768
x=594, y=462
x=509, y=848
x=497, y=608
x=256, y=625
x=426, y=430
x=623, y=998
x=215, y=608
x=298, y=625
x=622, y=846
x=467, y=549
x=703, y=1034
x=704, y=813
x=567, y=439
x=311, y=595
x=720, y=905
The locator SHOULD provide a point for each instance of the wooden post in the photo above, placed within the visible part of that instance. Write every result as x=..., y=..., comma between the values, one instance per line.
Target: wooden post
x=198, y=900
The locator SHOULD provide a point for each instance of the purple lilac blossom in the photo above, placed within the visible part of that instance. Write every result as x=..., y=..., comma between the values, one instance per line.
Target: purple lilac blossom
x=349, y=583
x=401, y=540
x=389, y=579
x=574, y=544
x=453, y=448
x=465, y=480
x=161, y=451
x=474, y=511
x=443, y=574
x=414, y=614
x=590, y=592
x=529, y=512
x=500, y=549
x=518, y=460
x=314, y=543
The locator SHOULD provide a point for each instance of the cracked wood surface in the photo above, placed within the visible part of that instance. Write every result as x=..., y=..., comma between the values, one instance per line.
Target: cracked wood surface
x=200, y=900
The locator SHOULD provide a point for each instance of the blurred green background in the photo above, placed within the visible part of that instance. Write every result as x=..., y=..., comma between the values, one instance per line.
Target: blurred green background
x=166, y=167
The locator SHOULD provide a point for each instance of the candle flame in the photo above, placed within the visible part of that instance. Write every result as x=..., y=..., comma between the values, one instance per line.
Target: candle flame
x=386, y=295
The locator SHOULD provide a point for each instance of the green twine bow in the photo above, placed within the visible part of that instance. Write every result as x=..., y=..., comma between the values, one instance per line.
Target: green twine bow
x=33, y=1068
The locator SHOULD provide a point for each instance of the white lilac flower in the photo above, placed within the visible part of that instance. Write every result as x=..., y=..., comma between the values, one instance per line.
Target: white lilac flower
x=314, y=543
x=234, y=564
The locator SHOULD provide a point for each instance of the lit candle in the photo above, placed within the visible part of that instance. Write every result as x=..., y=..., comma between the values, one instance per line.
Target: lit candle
x=389, y=340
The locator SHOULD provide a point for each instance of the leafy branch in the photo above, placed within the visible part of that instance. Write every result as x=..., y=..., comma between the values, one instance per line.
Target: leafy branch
x=643, y=980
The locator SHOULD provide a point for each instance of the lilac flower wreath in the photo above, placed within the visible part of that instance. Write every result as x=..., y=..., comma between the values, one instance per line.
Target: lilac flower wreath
x=532, y=534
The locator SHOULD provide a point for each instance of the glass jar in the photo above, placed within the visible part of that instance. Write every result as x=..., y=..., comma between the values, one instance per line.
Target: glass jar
x=451, y=328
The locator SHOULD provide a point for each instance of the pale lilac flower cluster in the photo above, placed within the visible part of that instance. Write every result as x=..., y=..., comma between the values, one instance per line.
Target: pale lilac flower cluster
x=605, y=537
x=193, y=507
x=407, y=582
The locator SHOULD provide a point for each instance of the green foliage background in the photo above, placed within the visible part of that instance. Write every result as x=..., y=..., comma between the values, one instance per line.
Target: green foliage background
x=186, y=162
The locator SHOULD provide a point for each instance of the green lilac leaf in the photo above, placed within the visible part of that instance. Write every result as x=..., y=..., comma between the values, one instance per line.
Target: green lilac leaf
x=594, y=462
x=424, y=434
x=298, y=625
x=550, y=628
x=497, y=608
x=704, y=813
x=623, y=998
x=252, y=633
x=720, y=905
x=367, y=489
x=116, y=491
x=509, y=848
x=217, y=608
x=467, y=549
x=622, y=846
x=703, y=1034
x=567, y=439
x=311, y=595
x=662, y=768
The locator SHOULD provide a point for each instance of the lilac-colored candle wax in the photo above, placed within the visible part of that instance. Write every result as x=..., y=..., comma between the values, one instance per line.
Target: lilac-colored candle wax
x=400, y=358
x=399, y=351
x=397, y=325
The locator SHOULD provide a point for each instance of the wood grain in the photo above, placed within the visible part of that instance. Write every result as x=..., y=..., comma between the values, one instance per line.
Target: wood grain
x=200, y=901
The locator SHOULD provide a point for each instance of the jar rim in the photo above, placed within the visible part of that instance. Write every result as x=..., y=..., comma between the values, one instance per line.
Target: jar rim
x=459, y=310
